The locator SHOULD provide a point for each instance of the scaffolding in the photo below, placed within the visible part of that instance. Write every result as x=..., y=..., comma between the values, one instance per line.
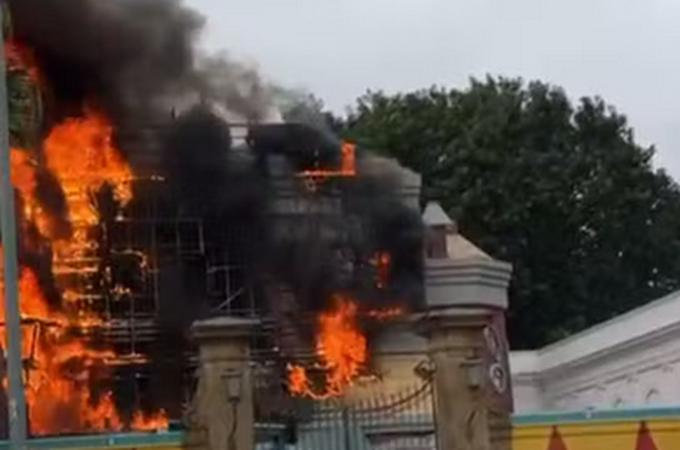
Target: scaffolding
x=128, y=267
x=115, y=269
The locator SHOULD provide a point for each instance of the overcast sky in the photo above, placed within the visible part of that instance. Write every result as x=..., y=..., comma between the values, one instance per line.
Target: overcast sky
x=627, y=51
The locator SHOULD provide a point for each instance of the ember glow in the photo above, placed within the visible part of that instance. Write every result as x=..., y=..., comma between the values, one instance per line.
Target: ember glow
x=383, y=262
x=21, y=57
x=385, y=314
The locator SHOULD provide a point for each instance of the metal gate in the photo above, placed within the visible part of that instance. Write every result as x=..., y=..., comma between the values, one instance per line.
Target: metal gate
x=400, y=420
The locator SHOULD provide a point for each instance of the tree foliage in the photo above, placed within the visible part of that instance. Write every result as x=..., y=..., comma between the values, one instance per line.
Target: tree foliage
x=23, y=106
x=559, y=189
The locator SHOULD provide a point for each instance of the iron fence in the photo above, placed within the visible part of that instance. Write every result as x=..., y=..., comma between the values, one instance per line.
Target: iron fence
x=398, y=420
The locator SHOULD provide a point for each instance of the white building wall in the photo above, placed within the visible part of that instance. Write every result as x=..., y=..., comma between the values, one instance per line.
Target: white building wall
x=629, y=362
x=527, y=396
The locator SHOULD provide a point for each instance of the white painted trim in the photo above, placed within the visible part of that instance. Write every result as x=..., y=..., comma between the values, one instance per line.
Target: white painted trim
x=637, y=323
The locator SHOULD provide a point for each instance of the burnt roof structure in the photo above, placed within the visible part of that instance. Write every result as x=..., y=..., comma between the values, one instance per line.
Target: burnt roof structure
x=172, y=261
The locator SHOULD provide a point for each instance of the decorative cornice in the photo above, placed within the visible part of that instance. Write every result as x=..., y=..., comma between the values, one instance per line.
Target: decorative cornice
x=651, y=339
x=498, y=272
x=658, y=307
x=565, y=378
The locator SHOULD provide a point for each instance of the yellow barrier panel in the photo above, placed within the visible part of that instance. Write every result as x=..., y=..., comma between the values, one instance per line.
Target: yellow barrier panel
x=650, y=434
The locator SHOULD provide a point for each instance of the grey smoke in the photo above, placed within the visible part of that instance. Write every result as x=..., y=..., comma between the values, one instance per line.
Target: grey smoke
x=134, y=57
x=237, y=88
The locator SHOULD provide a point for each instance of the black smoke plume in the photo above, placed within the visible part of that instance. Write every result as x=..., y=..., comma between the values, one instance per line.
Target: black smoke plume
x=123, y=55
x=134, y=60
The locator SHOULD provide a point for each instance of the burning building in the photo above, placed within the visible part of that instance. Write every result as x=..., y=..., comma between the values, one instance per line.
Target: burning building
x=152, y=192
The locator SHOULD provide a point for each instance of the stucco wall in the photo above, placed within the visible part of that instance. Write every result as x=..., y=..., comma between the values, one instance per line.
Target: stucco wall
x=629, y=362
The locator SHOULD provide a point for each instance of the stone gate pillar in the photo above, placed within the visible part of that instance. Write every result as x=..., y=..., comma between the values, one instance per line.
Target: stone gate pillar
x=466, y=297
x=221, y=415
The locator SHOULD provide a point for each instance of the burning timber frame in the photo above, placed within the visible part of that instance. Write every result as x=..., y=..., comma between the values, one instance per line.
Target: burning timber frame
x=118, y=264
x=152, y=237
x=158, y=236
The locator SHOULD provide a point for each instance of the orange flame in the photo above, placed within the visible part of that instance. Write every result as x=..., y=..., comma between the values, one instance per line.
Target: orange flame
x=298, y=382
x=60, y=365
x=58, y=375
x=153, y=422
x=341, y=348
x=80, y=153
x=23, y=171
x=347, y=165
x=341, y=345
x=24, y=179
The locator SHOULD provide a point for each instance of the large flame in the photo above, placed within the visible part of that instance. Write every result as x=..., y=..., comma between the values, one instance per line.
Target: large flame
x=341, y=349
x=80, y=153
x=340, y=343
x=60, y=366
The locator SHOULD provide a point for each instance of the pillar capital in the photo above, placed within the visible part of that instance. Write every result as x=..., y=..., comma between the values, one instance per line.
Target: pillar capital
x=467, y=283
x=219, y=329
x=459, y=276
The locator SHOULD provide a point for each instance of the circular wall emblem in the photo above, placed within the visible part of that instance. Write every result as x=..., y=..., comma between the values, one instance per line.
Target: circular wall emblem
x=498, y=377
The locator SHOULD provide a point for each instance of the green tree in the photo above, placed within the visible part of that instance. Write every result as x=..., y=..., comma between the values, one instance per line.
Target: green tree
x=23, y=95
x=561, y=190
x=23, y=109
